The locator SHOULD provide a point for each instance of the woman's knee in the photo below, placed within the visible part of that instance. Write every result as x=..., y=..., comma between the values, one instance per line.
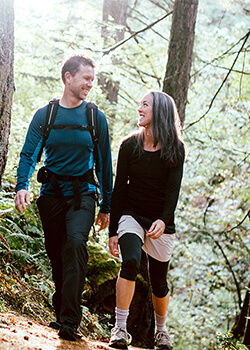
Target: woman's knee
x=130, y=269
x=158, y=276
x=160, y=290
x=130, y=245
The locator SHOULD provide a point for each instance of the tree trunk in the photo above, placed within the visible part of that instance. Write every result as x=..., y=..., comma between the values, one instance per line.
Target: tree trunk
x=241, y=327
x=180, y=53
x=6, y=77
x=114, y=12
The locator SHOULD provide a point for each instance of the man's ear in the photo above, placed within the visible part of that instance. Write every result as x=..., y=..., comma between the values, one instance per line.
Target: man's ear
x=68, y=77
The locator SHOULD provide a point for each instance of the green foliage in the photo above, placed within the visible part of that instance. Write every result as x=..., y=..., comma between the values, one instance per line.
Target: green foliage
x=203, y=294
x=25, y=275
x=22, y=236
x=228, y=343
x=24, y=269
x=211, y=261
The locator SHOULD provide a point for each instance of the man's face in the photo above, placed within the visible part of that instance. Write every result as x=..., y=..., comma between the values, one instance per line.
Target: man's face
x=81, y=84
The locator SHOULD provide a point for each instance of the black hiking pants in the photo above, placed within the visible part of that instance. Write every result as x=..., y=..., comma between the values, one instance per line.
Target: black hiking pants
x=66, y=233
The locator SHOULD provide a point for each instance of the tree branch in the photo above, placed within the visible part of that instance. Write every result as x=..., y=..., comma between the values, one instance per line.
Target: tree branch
x=219, y=57
x=229, y=265
x=204, y=231
x=240, y=223
x=223, y=82
x=157, y=33
x=230, y=268
x=233, y=70
x=39, y=77
x=112, y=48
x=156, y=3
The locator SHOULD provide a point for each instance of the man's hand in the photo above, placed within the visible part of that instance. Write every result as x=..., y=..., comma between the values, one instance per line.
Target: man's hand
x=103, y=219
x=22, y=198
x=156, y=229
x=113, y=246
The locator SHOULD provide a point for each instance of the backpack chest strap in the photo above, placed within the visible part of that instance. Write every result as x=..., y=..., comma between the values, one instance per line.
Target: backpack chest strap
x=72, y=127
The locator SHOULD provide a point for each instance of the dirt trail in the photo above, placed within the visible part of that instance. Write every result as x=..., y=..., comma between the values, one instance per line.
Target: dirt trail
x=22, y=333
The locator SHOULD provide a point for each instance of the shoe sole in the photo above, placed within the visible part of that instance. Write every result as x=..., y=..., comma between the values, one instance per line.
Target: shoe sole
x=120, y=344
x=55, y=325
x=64, y=334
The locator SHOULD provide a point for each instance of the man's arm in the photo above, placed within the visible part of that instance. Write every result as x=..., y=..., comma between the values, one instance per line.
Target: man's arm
x=27, y=161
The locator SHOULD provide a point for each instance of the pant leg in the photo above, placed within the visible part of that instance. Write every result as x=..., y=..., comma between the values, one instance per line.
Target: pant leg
x=75, y=257
x=52, y=214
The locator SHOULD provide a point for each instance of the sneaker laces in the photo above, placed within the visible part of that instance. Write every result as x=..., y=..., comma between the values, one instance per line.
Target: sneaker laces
x=163, y=337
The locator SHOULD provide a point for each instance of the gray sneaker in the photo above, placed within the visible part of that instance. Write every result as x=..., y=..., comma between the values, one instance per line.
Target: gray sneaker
x=162, y=341
x=120, y=338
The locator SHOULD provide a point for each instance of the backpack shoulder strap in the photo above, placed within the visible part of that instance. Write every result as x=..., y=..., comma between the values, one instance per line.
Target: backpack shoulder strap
x=50, y=119
x=92, y=122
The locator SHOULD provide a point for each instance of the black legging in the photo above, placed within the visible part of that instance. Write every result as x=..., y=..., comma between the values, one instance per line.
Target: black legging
x=130, y=245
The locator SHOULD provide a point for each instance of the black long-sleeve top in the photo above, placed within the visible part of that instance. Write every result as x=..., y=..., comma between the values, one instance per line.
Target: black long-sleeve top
x=146, y=187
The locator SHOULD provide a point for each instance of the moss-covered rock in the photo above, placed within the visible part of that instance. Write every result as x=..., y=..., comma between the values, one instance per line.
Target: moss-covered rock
x=102, y=272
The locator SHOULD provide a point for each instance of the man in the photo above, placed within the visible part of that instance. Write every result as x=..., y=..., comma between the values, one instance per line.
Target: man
x=67, y=204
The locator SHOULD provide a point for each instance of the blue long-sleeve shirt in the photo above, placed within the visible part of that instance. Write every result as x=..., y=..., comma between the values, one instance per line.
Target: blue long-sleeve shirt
x=67, y=152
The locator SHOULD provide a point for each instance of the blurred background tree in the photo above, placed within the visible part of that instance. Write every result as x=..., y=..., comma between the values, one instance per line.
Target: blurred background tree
x=6, y=78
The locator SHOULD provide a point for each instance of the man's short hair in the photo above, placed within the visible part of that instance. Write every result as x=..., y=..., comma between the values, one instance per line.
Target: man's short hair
x=72, y=64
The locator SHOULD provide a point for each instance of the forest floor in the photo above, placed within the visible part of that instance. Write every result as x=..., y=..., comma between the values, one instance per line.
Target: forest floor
x=22, y=333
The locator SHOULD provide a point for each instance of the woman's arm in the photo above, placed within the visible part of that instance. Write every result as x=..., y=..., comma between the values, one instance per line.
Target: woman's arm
x=172, y=194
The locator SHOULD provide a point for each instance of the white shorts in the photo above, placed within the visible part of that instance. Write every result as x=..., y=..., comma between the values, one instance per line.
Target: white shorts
x=160, y=249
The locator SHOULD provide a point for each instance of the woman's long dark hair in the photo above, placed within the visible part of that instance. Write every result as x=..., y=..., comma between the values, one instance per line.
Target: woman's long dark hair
x=166, y=128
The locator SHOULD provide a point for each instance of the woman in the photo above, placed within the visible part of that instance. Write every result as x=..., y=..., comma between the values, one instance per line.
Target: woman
x=149, y=173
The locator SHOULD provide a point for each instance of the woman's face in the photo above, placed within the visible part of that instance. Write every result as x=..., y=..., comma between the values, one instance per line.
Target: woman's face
x=145, y=111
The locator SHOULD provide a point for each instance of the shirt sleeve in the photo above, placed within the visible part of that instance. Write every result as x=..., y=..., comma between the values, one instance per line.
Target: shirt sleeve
x=120, y=189
x=172, y=193
x=105, y=175
x=30, y=151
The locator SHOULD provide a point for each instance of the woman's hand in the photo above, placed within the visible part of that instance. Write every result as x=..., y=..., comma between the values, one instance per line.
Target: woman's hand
x=113, y=246
x=156, y=229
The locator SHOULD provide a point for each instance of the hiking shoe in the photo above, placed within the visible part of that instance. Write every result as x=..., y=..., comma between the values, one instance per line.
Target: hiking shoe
x=68, y=331
x=120, y=338
x=162, y=341
x=55, y=324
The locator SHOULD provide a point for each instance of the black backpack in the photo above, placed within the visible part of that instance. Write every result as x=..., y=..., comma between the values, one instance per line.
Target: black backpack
x=91, y=127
